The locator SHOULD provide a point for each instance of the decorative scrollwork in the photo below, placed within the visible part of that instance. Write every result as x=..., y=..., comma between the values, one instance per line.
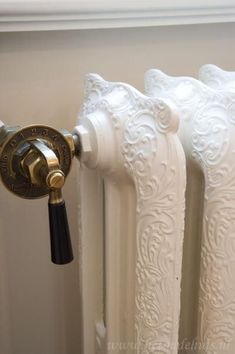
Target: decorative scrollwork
x=153, y=164
x=208, y=136
x=145, y=149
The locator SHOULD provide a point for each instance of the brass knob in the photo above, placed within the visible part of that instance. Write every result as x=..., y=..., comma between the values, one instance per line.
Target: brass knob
x=55, y=179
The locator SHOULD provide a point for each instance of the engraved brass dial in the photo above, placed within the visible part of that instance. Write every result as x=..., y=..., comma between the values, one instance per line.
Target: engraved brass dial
x=17, y=147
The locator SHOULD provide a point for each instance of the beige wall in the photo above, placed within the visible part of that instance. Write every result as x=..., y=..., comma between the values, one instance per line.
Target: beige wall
x=41, y=81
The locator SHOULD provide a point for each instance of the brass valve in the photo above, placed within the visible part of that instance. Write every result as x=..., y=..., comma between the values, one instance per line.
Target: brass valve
x=34, y=162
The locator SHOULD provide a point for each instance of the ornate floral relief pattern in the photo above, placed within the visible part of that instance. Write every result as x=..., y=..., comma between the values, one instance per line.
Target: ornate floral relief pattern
x=222, y=223
x=210, y=135
x=211, y=75
x=201, y=110
x=210, y=140
x=217, y=78
x=95, y=86
x=216, y=300
x=217, y=297
x=148, y=151
x=152, y=159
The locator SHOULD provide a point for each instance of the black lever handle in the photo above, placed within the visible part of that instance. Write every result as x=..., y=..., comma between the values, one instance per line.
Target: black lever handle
x=61, y=247
x=34, y=162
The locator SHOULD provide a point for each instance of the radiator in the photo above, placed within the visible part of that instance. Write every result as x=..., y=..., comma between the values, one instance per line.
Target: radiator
x=159, y=160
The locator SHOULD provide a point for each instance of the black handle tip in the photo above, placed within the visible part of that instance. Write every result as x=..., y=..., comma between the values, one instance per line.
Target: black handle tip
x=61, y=247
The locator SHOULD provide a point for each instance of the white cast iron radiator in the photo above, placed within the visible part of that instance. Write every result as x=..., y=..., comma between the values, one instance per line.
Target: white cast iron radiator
x=131, y=261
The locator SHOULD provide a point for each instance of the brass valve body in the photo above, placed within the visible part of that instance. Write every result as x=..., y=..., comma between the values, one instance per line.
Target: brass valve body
x=24, y=170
